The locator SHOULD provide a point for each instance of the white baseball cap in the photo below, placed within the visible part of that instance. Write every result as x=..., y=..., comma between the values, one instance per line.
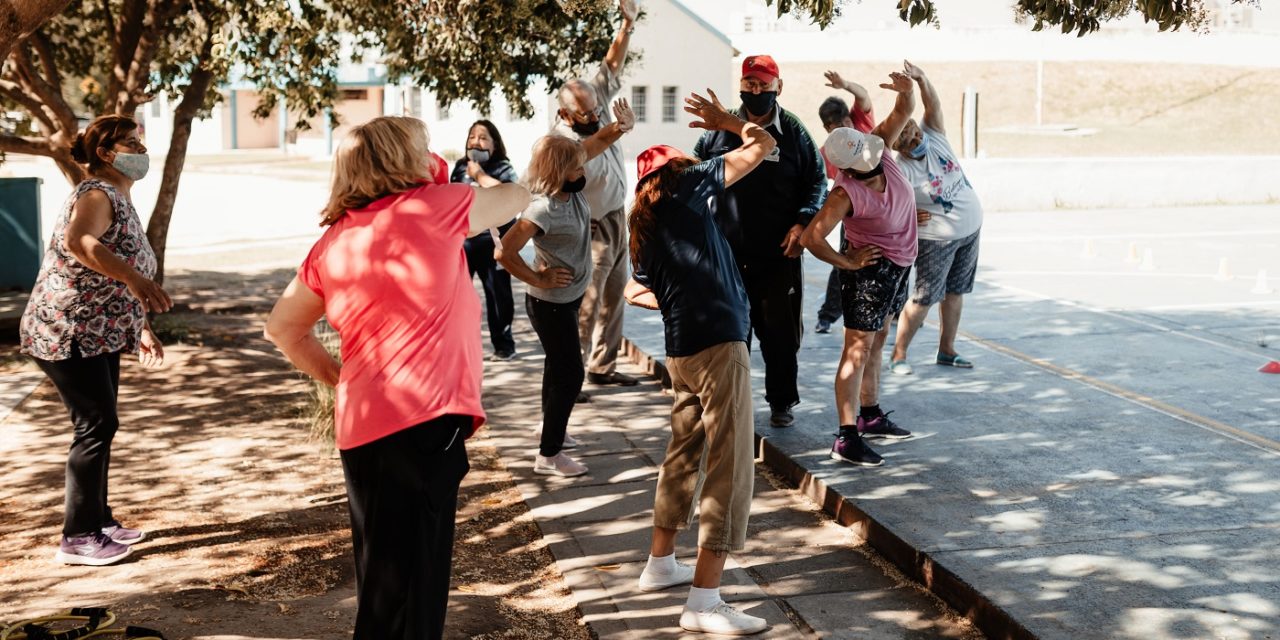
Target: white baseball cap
x=848, y=148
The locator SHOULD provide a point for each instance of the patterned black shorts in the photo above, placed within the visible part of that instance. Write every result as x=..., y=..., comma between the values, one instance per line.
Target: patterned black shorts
x=872, y=293
x=944, y=267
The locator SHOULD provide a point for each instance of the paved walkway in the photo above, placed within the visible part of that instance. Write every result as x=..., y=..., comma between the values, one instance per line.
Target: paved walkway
x=1102, y=473
x=804, y=573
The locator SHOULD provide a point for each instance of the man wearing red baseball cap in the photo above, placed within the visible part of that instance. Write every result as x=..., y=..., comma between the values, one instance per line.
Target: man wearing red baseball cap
x=763, y=216
x=683, y=265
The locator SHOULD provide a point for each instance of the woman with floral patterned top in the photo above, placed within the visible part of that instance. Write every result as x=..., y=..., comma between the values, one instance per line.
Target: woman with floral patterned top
x=88, y=306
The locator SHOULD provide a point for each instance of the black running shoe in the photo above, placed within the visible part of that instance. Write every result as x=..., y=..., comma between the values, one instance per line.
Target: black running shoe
x=881, y=427
x=850, y=448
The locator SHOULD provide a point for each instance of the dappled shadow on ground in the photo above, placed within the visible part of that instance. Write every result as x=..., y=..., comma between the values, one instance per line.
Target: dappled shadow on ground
x=248, y=531
x=1102, y=473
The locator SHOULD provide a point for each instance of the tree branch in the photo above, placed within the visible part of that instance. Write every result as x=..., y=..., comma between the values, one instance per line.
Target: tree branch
x=125, y=45
x=10, y=143
x=49, y=96
x=48, y=64
x=13, y=91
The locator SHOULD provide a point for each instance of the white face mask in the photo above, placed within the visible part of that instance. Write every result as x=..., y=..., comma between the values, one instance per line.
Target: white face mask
x=134, y=166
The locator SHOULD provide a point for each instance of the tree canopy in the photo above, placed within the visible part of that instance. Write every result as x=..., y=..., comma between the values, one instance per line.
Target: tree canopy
x=1071, y=16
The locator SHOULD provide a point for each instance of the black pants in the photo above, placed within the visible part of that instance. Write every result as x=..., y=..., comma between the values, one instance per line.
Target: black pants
x=562, y=370
x=403, y=494
x=831, y=309
x=88, y=387
x=775, y=291
x=495, y=280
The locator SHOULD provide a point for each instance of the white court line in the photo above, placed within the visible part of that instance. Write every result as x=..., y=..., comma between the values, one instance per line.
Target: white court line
x=1137, y=235
x=1213, y=305
x=1254, y=356
x=1111, y=274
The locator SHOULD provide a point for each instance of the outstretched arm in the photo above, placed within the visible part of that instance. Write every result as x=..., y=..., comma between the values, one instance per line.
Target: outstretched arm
x=617, y=54
x=757, y=144
x=623, y=121
x=891, y=127
x=861, y=99
x=932, y=105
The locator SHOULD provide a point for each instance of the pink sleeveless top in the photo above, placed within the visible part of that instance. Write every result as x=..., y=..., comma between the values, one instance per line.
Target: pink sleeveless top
x=886, y=220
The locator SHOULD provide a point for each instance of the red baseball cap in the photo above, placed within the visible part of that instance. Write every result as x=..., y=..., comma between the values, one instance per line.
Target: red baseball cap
x=654, y=158
x=760, y=67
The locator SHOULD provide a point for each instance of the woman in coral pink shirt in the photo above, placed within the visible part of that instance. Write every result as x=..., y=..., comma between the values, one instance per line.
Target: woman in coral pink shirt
x=391, y=276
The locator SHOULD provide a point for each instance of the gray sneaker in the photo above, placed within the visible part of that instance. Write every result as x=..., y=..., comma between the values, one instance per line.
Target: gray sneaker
x=781, y=417
x=95, y=550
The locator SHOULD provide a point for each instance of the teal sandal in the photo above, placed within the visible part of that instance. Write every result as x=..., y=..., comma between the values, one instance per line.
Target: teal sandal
x=953, y=361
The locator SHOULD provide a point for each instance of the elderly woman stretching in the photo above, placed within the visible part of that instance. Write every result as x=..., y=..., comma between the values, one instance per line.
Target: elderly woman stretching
x=559, y=223
x=391, y=276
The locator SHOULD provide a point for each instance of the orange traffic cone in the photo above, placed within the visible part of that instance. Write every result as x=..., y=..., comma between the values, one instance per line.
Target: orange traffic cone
x=1270, y=367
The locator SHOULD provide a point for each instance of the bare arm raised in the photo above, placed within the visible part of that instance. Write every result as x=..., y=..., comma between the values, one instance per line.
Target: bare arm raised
x=891, y=127
x=623, y=121
x=497, y=205
x=928, y=96
x=861, y=99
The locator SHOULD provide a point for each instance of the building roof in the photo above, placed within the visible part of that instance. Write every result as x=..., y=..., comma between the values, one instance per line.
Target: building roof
x=703, y=23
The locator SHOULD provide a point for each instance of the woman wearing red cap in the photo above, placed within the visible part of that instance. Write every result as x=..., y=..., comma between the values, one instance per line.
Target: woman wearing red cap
x=684, y=266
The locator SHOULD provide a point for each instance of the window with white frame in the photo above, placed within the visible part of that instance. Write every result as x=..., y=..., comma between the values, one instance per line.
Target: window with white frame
x=669, y=103
x=640, y=103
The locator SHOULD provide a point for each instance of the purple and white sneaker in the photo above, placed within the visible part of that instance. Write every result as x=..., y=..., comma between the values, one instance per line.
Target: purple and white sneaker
x=881, y=427
x=96, y=549
x=123, y=535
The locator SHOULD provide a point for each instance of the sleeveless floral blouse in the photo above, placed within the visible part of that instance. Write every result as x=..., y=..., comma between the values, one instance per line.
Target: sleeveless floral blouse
x=73, y=304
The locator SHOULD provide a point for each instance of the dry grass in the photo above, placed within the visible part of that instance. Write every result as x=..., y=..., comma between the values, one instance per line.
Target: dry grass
x=1138, y=109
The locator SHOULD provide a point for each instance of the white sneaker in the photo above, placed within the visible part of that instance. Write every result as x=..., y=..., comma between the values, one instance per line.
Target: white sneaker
x=558, y=465
x=569, y=442
x=654, y=581
x=901, y=367
x=722, y=619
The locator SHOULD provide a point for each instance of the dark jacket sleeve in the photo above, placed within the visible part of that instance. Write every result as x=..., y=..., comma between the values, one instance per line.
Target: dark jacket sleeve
x=504, y=172
x=460, y=172
x=813, y=176
x=700, y=148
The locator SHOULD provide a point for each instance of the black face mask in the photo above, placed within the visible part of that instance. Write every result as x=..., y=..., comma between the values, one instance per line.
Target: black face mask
x=858, y=175
x=574, y=186
x=478, y=155
x=759, y=104
x=587, y=129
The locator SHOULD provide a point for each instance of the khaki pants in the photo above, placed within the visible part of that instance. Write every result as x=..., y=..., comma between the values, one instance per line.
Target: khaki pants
x=711, y=457
x=600, y=319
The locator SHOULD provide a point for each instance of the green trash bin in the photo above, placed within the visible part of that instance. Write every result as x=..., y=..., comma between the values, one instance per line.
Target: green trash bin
x=20, y=246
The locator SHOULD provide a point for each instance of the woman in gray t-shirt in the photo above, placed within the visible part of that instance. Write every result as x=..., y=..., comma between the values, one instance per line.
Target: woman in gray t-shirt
x=559, y=223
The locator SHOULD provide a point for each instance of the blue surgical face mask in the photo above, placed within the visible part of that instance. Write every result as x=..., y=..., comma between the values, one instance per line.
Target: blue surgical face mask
x=134, y=166
x=920, y=149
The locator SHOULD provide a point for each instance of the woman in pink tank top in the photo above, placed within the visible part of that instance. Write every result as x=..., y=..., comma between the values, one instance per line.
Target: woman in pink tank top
x=877, y=205
x=391, y=276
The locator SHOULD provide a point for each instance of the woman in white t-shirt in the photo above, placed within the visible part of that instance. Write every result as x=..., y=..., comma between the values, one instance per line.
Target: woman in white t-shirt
x=948, y=254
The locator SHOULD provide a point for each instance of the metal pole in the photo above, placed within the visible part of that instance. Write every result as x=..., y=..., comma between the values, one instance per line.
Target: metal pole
x=969, y=122
x=1039, y=92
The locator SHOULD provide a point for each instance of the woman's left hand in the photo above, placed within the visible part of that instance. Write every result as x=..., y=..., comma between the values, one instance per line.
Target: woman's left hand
x=151, y=355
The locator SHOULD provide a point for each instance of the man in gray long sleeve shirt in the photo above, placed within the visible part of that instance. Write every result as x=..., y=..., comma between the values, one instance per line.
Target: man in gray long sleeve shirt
x=583, y=110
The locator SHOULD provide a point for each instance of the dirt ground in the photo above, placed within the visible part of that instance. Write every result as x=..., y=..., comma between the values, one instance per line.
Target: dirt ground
x=246, y=516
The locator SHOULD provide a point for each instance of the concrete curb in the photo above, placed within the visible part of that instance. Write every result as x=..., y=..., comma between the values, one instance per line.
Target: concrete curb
x=917, y=565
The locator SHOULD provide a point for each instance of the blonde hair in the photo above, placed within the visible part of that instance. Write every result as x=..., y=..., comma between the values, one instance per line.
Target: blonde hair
x=384, y=156
x=554, y=158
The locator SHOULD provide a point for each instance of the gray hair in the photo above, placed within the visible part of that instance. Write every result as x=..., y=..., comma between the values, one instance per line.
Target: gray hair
x=565, y=95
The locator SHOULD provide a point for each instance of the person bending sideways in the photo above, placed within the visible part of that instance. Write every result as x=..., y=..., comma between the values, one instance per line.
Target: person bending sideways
x=558, y=222
x=948, y=259
x=391, y=275
x=684, y=266
x=872, y=197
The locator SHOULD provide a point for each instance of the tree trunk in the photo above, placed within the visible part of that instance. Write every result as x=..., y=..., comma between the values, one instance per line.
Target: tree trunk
x=193, y=98
x=19, y=19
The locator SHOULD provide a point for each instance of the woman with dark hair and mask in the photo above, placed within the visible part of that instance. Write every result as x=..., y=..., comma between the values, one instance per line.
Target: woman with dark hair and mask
x=486, y=165
x=558, y=221
x=683, y=265
x=88, y=306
